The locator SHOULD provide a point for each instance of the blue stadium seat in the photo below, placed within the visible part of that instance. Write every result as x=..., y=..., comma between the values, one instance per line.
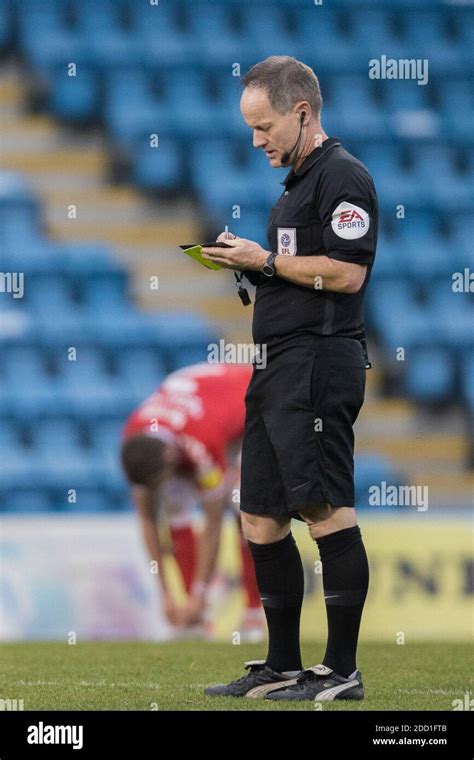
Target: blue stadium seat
x=216, y=30
x=88, y=385
x=372, y=470
x=19, y=210
x=252, y=224
x=467, y=381
x=373, y=30
x=110, y=36
x=400, y=320
x=268, y=33
x=436, y=168
x=388, y=258
x=6, y=26
x=28, y=501
x=166, y=42
x=105, y=293
x=453, y=314
x=457, y=97
x=74, y=98
x=426, y=32
x=106, y=434
x=322, y=40
x=358, y=111
x=9, y=438
x=85, y=260
x=429, y=375
x=63, y=460
x=168, y=69
x=190, y=101
x=393, y=180
x=88, y=500
x=185, y=356
x=47, y=39
x=132, y=109
x=160, y=168
x=27, y=384
x=141, y=370
x=106, y=437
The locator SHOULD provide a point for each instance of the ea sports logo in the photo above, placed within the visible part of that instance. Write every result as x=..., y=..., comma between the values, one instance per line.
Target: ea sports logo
x=349, y=216
x=350, y=221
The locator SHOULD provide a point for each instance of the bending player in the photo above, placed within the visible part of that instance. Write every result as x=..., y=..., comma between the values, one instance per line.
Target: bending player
x=182, y=446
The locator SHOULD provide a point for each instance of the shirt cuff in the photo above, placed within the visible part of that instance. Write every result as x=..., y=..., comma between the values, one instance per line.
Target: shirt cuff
x=351, y=257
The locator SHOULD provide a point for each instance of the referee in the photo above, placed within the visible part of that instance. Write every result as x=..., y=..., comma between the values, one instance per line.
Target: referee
x=298, y=447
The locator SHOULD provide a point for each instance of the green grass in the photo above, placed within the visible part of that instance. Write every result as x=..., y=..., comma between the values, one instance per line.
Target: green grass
x=137, y=676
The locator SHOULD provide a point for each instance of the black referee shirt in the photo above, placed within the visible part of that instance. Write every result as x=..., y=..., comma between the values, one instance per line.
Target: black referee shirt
x=328, y=208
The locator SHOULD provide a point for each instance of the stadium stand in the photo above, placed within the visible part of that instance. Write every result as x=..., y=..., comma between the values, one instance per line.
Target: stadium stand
x=140, y=71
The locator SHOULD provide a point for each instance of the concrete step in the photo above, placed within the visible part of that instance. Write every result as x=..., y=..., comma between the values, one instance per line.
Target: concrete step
x=64, y=161
x=421, y=452
x=153, y=233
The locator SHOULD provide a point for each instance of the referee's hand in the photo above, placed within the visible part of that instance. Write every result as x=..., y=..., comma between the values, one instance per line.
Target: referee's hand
x=241, y=255
x=226, y=236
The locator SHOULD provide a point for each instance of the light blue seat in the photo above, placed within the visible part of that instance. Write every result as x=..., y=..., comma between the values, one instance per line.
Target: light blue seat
x=430, y=375
x=74, y=98
x=372, y=470
x=27, y=501
x=358, y=111
x=158, y=168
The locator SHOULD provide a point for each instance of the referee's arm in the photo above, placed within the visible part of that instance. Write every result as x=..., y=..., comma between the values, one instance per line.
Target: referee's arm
x=321, y=273
x=344, y=193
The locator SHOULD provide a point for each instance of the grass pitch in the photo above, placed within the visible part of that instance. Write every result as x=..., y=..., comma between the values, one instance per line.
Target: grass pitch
x=172, y=676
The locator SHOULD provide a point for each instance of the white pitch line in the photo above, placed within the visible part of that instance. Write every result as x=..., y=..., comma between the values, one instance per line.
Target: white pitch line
x=95, y=684
x=421, y=692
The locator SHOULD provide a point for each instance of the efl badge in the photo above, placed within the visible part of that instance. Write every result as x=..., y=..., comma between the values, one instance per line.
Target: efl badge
x=287, y=241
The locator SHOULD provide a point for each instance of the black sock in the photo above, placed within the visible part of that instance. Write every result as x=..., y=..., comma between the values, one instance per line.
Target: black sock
x=280, y=580
x=345, y=583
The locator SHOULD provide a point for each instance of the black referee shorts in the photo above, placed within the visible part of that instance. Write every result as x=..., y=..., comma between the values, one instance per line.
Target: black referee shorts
x=298, y=445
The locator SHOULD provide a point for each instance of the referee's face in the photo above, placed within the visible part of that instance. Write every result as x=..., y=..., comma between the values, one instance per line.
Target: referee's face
x=274, y=132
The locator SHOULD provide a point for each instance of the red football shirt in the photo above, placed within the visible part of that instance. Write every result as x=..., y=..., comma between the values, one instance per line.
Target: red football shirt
x=202, y=407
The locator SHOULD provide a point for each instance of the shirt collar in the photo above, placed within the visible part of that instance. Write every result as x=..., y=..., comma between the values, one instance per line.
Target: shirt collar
x=310, y=160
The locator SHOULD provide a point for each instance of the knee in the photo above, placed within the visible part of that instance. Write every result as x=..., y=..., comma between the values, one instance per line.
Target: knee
x=325, y=519
x=264, y=530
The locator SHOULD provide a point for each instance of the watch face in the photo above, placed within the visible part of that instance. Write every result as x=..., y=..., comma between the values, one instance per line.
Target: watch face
x=269, y=266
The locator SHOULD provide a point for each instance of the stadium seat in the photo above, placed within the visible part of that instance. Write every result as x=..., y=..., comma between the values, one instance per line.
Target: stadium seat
x=160, y=168
x=429, y=375
x=170, y=69
x=141, y=370
x=372, y=470
x=30, y=500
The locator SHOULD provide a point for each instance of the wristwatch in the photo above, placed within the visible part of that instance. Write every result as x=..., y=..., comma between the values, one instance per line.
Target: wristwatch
x=268, y=268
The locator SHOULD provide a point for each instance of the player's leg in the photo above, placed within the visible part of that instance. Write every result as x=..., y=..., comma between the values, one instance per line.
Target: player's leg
x=277, y=561
x=177, y=503
x=336, y=395
x=252, y=627
x=183, y=541
x=273, y=544
x=345, y=583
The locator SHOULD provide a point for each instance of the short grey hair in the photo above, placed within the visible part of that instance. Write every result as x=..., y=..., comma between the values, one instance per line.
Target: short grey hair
x=286, y=81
